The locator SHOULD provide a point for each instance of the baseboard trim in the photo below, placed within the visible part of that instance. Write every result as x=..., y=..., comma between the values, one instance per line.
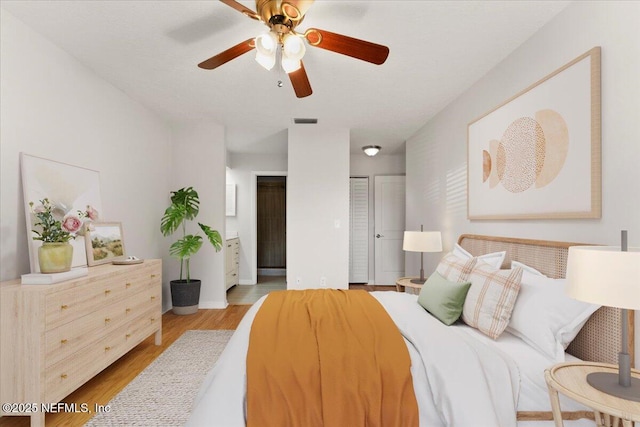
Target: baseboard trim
x=213, y=304
x=246, y=282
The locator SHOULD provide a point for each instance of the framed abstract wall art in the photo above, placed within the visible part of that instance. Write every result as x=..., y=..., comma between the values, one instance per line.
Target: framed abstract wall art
x=538, y=154
x=68, y=188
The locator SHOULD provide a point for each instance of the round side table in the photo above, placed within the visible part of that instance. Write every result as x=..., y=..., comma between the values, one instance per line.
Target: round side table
x=405, y=282
x=570, y=379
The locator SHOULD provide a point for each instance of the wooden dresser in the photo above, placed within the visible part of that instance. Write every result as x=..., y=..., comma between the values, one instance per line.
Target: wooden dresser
x=57, y=337
x=232, y=262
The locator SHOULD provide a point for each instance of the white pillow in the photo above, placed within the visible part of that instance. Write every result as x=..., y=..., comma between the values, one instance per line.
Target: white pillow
x=526, y=268
x=545, y=317
x=494, y=259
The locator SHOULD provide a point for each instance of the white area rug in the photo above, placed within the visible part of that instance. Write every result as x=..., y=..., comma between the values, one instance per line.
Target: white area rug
x=162, y=394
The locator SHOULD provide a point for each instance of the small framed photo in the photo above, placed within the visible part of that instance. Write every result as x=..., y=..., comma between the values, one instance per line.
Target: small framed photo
x=104, y=243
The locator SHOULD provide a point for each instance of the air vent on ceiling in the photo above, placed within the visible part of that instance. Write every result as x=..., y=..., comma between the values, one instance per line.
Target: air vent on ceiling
x=301, y=121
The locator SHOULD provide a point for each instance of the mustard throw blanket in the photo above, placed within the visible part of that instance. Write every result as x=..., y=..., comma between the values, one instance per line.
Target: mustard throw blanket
x=329, y=358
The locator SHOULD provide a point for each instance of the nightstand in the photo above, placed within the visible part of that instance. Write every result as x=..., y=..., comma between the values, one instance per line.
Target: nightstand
x=570, y=379
x=405, y=282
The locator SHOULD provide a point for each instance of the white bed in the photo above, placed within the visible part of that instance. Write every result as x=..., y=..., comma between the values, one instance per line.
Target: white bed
x=461, y=377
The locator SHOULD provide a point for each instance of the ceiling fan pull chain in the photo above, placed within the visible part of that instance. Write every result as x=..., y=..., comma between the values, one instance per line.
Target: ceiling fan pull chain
x=281, y=72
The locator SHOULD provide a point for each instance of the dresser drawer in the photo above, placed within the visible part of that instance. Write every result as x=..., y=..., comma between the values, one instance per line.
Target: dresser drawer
x=70, y=373
x=143, y=326
x=85, y=331
x=145, y=278
x=62, y=307
x=71, y=337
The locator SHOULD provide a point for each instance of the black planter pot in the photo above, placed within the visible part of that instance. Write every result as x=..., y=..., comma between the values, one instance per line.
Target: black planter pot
x=185, y=296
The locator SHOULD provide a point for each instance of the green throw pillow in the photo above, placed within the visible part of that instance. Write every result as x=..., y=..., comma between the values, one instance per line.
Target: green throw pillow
x=443, y=298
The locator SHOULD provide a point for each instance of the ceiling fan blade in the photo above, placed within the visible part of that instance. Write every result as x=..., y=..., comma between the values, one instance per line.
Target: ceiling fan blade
x=355, y=48
x=295, y=9
x=300, y=82
x=227, y=55
x=240, y=8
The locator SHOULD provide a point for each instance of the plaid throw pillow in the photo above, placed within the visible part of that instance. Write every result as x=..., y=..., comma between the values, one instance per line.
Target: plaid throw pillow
x=455, y=269
x=491, y=298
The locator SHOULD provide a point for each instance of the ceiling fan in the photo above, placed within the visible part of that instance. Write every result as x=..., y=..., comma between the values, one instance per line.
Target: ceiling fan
x=282, y=17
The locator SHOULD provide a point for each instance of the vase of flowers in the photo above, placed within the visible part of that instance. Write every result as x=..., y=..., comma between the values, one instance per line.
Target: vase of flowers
x=54, y=257
x=55, y=228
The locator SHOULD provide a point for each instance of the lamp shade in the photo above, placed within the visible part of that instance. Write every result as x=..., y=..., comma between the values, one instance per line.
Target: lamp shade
x=422, y=241
x=604, y=275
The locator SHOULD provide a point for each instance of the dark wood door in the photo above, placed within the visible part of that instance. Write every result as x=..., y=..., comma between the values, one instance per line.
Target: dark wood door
x=272, y=221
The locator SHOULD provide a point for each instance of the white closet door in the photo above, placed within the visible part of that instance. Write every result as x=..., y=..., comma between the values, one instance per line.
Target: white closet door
x=359, y=230
x=389, y=214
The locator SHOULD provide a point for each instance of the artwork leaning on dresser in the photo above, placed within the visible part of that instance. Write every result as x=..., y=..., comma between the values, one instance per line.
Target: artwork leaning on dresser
x=57, y=337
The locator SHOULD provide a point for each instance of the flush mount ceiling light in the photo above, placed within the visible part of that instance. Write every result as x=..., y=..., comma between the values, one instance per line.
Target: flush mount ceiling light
x=282, y=41
x=371, y=150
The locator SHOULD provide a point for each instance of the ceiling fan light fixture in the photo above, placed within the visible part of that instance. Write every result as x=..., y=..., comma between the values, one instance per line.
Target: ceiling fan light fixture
x=266, y=47
x=282, y=44
x=267, y=43
x=293, y=47
x=290, y=65
x=267, y=61
x=371, y=150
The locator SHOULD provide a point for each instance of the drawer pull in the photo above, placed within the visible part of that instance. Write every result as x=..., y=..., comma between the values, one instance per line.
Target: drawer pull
x=63, y=376
x=63, y=341
x=107, y=292
x=64, y=307
x=128, y=285
x=153, y=276
x=153, y=319
x=152, y=298
x=107, y=348
x=128, y=336
x=128, y=310
x=107, y=319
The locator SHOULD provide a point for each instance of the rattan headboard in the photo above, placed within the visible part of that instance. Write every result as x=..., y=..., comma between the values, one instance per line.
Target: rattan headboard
x=599, y=340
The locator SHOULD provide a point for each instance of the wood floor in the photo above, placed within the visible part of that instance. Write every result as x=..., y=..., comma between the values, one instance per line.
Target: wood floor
x=103, y=387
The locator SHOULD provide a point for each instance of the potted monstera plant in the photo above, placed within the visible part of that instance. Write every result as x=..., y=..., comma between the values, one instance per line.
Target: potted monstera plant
x=185, y=205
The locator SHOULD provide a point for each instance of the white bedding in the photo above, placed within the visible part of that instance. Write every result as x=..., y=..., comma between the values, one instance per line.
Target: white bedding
x=534, y=395
x=461, y=378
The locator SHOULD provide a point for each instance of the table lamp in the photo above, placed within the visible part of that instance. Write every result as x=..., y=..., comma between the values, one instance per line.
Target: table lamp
x=422, y=241
x=609, y=276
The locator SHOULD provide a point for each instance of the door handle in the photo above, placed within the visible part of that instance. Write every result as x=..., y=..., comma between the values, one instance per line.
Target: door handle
x=379, y=236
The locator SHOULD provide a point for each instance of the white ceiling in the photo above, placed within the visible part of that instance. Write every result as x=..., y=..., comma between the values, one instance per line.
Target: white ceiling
x=150, y=50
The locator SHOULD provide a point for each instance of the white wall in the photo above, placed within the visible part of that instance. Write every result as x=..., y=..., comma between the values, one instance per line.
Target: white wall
x=242, y=168
x=52, y=106
x=362, y=165
x=242, y=171
x=436, y=154
x=318, y=207
x=199, y=158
